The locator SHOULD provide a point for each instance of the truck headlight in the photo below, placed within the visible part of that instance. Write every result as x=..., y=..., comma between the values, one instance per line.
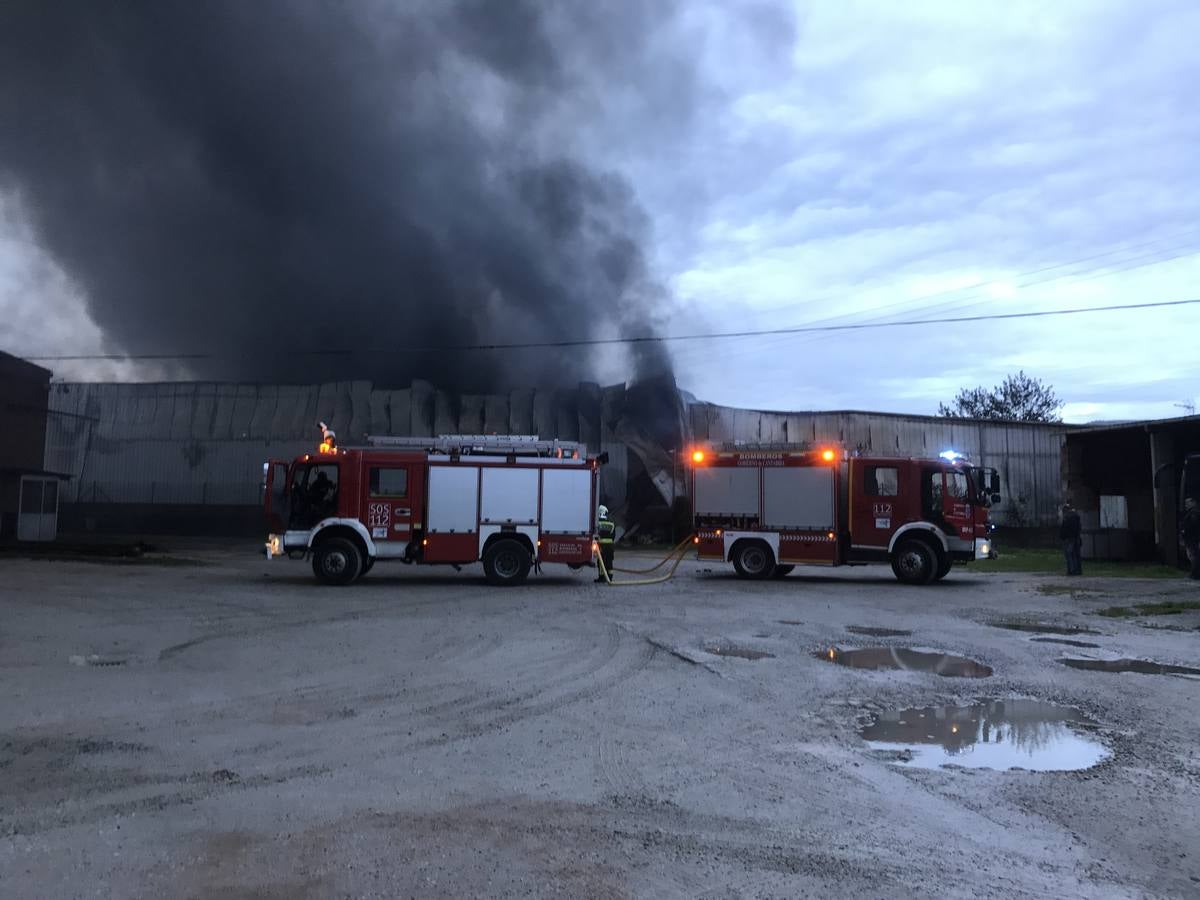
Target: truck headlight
x=274, y=545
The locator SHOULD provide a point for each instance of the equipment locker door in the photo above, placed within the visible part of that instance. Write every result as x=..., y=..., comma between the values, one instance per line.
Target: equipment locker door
x=394, y=491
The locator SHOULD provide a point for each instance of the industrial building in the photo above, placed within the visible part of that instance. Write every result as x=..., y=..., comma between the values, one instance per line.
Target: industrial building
x=28, y=492
x=187, y=457
x=1126, y=480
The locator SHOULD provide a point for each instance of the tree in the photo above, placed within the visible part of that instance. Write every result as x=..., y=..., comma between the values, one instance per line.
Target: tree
x=1018, y=397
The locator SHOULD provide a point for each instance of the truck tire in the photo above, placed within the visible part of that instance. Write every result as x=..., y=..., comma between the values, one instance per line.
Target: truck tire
x=367, y=565
x=337, y=560
x=945, y=564
x=753, y=559
x=506, y=562
x=782, y=571
x=914, y=562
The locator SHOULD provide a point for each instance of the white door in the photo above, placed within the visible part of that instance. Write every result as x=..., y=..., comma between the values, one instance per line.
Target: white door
x=37, y=518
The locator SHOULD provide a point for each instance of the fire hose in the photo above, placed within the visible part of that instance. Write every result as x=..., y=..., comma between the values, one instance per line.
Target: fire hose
x=675, y=557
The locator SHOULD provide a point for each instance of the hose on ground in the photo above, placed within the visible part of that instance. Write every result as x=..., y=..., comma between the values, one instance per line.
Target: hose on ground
x=677, y=555
x=678, y=548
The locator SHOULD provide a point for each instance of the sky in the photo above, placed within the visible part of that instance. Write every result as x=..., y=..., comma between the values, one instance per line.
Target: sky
x=803, y=163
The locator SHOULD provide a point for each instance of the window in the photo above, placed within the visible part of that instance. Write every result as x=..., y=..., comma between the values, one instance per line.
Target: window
x=882, y=481
x=958, y=487
x=389, y=482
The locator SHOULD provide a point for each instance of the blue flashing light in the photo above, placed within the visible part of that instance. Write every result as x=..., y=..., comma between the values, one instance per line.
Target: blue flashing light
x=952, y=455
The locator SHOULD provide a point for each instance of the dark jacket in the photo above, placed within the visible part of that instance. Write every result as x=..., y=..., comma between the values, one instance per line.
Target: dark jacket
x=1071, y=528
x=1189, y=528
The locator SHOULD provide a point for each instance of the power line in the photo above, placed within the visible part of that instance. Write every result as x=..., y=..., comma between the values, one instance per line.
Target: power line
x=964, y=300
x=642, y=339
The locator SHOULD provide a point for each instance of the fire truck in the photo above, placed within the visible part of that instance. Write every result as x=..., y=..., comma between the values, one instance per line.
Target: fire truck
x=512, y=501
x=768, y=508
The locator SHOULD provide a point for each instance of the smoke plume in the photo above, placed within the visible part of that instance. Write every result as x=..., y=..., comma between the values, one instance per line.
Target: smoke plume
x=262, y=179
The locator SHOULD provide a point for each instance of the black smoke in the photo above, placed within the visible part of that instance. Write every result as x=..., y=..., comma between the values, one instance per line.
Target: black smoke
x=258, y=179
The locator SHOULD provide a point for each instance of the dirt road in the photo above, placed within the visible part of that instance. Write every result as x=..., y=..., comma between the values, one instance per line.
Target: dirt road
x=233, y=729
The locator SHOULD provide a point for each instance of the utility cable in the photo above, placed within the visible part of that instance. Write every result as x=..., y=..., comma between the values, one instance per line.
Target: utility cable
x=646, y=339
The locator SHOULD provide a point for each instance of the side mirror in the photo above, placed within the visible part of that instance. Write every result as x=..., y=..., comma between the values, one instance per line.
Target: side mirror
x=995, y=498
x=602, y=459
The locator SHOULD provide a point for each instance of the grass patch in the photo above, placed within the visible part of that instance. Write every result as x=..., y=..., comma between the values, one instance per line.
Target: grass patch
x=1051, y=562
x=1166, y=608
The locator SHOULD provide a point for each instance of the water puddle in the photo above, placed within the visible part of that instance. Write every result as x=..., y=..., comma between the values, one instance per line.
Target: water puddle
x=908, y=660
x=878, y=632
x=1040, y=628
x=1000, y=734
x=789, y=622
x=1067, y=642
x=97, y=660
x=722, y=649
x=1141, y=666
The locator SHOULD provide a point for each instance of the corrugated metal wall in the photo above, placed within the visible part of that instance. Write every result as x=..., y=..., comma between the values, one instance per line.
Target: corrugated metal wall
x=1027, y=455
x=205, y=442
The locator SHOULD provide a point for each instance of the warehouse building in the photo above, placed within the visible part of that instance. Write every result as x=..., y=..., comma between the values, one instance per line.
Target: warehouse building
x=187, y=457
x=29, y=493
x=1128, y=483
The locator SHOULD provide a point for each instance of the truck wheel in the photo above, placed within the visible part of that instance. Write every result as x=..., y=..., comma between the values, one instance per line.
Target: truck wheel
x=336, y=560
x=943, y=569
x=782, y=571
x=506, y=562
x=914, y=562
x=368, y=564
x=753, y=559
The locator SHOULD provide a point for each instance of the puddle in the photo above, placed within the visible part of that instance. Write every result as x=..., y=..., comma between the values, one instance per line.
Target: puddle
x=878, y=632
x=1039, y=628
x=789, y=622
x=97, y=660
x=909, y=660
x=1069, y=643
x=1001, y=734
x=1141, y=666
x=739, y=652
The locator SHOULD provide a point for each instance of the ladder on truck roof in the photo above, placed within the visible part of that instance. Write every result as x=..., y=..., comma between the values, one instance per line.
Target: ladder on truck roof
x=482, y=444
x=759, y=446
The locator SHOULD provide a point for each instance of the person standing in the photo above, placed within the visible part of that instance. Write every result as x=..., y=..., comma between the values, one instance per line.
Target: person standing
x=1070, y=532
x=606, y=534
x=1189, y=530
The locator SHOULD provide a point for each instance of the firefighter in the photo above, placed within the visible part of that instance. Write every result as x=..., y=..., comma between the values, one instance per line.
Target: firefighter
x=320, y=492
x=1189, y=530
x=1070, y=532
x=606, y=533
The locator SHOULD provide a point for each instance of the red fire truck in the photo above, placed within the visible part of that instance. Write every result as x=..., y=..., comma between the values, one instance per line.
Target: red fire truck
x=512, y=501
x=768, y=508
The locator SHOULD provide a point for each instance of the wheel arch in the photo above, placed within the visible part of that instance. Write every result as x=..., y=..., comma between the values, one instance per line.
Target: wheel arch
x=344, y=528
x=523, y=539
x=922, y=530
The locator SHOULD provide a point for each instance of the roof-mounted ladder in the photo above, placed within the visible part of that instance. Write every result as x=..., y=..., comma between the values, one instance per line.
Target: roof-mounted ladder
x=482, y=444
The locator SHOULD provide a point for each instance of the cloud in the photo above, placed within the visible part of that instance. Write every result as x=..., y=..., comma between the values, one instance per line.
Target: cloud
x=1033, y=155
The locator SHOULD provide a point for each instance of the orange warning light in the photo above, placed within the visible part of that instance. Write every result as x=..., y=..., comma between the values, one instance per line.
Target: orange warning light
x=697, y=456
x=827, y=455
x=695, y=540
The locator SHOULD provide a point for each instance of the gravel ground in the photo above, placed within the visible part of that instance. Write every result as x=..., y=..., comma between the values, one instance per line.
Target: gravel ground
x=230, y=728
